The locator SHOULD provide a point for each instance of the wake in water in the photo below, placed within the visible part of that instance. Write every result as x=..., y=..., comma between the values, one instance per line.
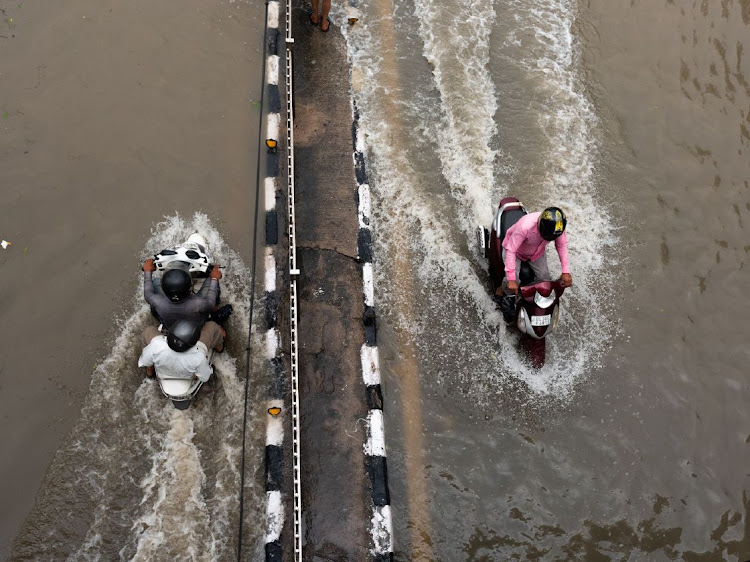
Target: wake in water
x=432, y=188
x=138, y=479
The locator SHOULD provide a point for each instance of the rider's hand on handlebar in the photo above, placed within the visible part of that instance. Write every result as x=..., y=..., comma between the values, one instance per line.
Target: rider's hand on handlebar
x=513, y=287
x=566, y=279
x=215, y=273
x=149, y=265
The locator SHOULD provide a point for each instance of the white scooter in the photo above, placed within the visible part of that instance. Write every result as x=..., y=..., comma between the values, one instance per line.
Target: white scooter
x=182, y=391
x=191, y=256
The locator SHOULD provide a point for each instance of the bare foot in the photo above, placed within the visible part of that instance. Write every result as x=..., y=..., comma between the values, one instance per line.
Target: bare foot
x=325, y=25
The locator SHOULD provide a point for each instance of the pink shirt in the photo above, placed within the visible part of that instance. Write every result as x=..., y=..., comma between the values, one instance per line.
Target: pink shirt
x=524, y=242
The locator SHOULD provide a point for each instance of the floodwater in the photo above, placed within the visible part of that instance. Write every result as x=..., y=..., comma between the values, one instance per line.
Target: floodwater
x=125, y=127
x=632, y=442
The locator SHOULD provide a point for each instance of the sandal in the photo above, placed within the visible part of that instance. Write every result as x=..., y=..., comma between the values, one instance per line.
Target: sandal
x=310, y=17
x=328, y=20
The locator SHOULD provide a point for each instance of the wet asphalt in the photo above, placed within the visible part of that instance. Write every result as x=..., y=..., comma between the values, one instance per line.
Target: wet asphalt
x=335, y=487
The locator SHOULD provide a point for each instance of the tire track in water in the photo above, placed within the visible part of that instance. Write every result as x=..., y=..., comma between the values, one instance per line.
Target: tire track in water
x=175, y=518
x=467, y=101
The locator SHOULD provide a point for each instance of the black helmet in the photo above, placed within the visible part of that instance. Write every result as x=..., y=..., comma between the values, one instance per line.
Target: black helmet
x=183, y=335
x=176, y=284
x=552, y=223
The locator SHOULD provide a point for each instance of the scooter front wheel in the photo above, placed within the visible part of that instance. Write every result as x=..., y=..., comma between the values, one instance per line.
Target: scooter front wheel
x=534, y=350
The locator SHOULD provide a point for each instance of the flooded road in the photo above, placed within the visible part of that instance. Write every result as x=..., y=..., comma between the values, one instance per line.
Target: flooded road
x=632, y=442
x=114, y=116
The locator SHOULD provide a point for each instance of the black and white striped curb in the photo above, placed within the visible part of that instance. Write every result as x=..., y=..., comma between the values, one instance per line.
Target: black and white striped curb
x=375, y=457
x=275, y=403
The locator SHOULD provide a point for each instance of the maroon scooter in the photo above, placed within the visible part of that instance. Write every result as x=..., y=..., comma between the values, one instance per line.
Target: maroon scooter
x=535, y=310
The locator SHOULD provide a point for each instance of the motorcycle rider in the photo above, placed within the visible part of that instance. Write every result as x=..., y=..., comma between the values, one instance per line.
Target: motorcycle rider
x=183, y=352
x=172, y=298
x=527, y=241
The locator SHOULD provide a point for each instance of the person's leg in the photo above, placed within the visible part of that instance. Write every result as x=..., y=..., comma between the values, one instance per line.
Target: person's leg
x=149, y=333
x=212, y=336
x=540, y=268
x=324, y=23
x=314, y=15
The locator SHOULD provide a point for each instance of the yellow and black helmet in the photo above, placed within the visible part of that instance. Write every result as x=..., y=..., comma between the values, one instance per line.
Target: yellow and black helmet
x=552, y=223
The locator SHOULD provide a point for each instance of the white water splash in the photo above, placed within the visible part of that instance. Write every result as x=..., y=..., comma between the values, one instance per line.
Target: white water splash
x=458, y=125
x=176, y=524
x=143, y=480
x=457, y=48
x=544, y=33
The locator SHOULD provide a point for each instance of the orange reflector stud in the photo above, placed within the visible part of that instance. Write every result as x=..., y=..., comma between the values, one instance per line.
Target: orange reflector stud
x=274, y=411
x=271, y=144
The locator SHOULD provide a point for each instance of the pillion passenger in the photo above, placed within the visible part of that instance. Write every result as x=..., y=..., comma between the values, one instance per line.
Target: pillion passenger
x=183, y=352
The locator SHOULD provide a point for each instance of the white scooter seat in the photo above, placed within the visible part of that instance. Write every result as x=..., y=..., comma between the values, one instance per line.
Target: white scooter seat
x=177, y=388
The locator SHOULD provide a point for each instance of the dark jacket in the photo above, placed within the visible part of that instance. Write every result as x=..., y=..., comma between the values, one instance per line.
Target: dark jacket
x=195, y=307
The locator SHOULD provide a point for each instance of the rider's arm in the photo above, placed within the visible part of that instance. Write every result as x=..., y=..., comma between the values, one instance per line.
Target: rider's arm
x=204, y=301
x=213, y=292
x=561, y=245
x=148, y=287
x=146, y=359
x=513, y=240
x=204, y=370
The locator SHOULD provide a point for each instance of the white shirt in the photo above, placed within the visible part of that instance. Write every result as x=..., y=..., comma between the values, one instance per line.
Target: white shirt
x=172, y=364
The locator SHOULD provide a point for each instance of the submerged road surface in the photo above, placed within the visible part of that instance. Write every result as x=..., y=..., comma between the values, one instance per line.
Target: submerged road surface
x=631, y=443
x=114, y=116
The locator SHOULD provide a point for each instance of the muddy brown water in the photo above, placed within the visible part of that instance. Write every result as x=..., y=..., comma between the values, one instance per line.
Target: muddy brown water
x=114, y=116
x=632, y=442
